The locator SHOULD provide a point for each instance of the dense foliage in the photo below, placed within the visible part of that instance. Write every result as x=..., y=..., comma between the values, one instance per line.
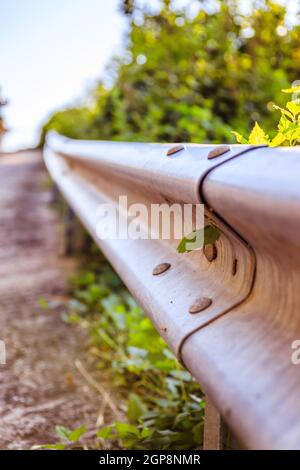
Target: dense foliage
x=190, y=73
x=165, y=406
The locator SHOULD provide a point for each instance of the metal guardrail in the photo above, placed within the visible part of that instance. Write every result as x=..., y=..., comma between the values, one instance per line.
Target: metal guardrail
x=239, y=347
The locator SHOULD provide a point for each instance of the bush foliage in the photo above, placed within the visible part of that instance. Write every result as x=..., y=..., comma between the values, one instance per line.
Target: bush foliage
x=190, y=77
x=288, y=128
x=164, y=404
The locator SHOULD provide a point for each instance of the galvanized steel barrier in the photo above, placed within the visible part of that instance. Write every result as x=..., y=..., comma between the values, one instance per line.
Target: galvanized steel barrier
x=239, y=346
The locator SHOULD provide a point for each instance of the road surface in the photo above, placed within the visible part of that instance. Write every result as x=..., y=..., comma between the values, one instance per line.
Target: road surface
x=39, y=385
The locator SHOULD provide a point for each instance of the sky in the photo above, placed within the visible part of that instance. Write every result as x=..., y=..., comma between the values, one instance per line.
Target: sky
x=51, y=53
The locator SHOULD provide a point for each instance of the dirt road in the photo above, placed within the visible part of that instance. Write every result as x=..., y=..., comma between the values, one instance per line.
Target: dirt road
x=39, y=384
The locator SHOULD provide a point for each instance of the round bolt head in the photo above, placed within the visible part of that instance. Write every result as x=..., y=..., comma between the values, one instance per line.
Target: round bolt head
x=200, y=304
x=160, y=268
x=217, y=151
x=175, y=149
x=210, y=252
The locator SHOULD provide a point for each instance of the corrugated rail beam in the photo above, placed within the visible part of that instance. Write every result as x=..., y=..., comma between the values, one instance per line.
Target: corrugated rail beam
x=239, y=347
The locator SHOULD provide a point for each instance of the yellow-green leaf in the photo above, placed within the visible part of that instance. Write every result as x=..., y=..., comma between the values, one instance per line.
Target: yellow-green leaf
x=258, y=136
x=239, y=138
x=293, y=134
x=284, y=124
x=290, y=130
x=278, y=140
x=294, y=107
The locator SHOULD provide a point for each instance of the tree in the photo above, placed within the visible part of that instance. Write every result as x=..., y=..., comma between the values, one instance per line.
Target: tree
x=193, y=78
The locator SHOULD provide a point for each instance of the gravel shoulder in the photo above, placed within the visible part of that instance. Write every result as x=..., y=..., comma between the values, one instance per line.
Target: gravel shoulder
x=40, y=386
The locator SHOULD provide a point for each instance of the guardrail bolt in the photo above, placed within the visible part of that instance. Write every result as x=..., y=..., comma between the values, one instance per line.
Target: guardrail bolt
x=161, y=268
x=200, y=304
x=218, y=151
x=175, y=149
x=210, y=252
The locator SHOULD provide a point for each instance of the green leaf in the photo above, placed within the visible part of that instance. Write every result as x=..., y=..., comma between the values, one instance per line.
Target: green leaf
x=210, y=236
x=146, y=432
x=258, y=136
x=43, y=303
x=136, y=407
x=125, y=429
x=198, y=432
x=76, y=433
x=62, y=431
x=239, y=138
x=191, y=238
x=181, y=417
x=106, y=433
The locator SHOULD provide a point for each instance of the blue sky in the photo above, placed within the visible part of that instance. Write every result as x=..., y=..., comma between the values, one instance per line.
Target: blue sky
x=51, y=53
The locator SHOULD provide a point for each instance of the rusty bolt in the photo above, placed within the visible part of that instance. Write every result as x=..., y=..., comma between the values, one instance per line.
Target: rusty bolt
x=210, y=252
x=175, y=149
x=217, y=151
x=160, y=268
x=200, y=304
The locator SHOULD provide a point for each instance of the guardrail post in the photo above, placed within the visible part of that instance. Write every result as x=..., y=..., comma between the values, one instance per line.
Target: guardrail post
x=69, y=221
x=55, y=194
x=217, y=435
x=213, y=427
